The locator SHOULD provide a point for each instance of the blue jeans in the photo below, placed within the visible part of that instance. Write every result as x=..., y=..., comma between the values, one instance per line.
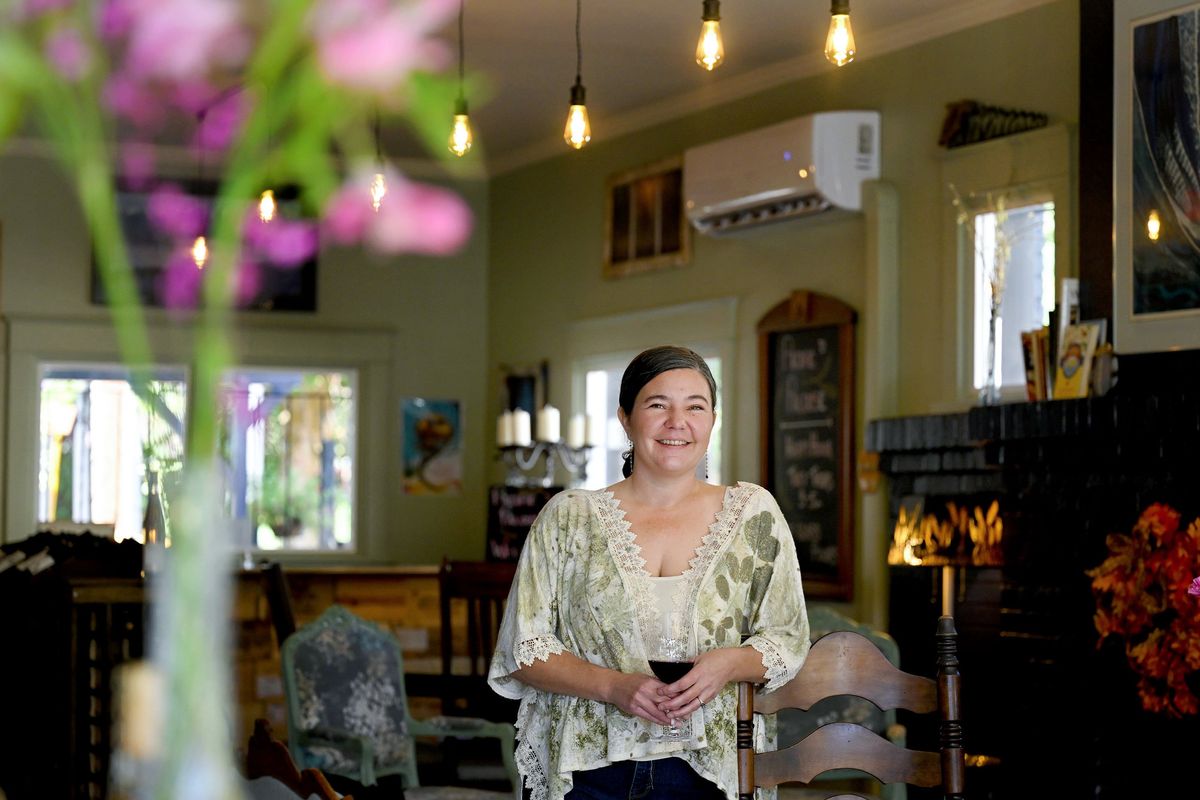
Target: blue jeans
x=663, y=779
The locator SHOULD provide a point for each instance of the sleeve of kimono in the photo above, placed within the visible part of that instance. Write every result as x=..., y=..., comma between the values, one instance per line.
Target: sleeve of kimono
x=779, y=620
x=528, y=631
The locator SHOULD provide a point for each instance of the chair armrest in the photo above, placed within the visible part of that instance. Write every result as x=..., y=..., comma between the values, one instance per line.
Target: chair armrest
x=356, y=745
x=471, y=728
x=460, y=727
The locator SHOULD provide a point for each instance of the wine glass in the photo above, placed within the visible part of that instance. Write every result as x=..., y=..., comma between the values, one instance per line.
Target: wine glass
x=669, y=661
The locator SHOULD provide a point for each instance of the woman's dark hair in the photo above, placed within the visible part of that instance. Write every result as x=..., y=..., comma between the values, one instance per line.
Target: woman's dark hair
x=648, y=365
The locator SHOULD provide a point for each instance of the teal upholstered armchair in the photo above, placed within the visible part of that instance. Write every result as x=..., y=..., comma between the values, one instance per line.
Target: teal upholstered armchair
x=347, y=710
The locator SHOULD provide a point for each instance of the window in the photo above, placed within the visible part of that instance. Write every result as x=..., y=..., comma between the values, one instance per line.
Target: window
x=288, y=438
x=602, y=384
x=287, y=445
x=100, y=440
x=1015, y=191
x=1026, y=287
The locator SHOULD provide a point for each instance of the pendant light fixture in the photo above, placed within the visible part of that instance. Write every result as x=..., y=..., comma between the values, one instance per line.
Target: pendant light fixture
x=378, y=184
x=710, y=50
x=839, y=44
x=460, y=135
x=578, y=130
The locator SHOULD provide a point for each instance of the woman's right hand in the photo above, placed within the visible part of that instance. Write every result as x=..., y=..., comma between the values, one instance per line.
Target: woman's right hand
x=638, y=695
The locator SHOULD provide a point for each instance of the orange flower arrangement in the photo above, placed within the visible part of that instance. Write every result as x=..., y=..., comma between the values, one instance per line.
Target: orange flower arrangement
x=1143, y=596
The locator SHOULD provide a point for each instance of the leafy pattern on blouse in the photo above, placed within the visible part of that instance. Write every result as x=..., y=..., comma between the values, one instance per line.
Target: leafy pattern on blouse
x=581, y=588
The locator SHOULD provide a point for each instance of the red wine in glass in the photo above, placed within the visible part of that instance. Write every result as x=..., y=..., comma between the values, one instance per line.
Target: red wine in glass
x=670, y=671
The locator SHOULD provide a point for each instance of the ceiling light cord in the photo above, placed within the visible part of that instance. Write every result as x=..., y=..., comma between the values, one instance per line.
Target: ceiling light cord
x=578, y=43
x=461, y=49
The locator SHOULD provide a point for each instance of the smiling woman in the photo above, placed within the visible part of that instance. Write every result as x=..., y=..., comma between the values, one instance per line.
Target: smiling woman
x=660, y=567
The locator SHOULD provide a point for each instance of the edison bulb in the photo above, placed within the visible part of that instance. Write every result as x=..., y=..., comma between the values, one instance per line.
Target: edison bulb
x=839, y=44
x=1153, y=226
x=266, y=205
x=710, y=49
x=378, y=190
x=460, y=136
x=578, y=131
x=200, y=251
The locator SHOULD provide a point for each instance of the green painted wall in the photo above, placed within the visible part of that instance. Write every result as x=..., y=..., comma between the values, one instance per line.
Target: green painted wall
x=416, y=325
x=547, y=219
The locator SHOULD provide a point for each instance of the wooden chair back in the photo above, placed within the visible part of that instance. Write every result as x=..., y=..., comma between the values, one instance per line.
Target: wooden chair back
x=846, y=663
x=279, y=601
x=483, y=587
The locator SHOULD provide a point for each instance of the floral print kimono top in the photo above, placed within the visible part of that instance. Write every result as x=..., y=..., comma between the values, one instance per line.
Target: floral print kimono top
x=581, y=587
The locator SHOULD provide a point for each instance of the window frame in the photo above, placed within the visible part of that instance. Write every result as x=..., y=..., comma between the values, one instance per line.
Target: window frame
x=1024, y=169
x=369, y=353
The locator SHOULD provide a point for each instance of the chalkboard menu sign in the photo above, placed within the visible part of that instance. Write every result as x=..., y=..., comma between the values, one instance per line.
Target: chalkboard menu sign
x=806, y=351
x=511, y=512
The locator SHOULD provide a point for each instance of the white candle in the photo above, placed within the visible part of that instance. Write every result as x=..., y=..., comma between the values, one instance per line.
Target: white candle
x=595, y=430
x=575, y=432
x=548, y=424
x=504, y=429
x=521, y=436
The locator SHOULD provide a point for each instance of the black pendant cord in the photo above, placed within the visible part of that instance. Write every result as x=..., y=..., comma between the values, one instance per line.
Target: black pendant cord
x=461, y=50
x=578, y=43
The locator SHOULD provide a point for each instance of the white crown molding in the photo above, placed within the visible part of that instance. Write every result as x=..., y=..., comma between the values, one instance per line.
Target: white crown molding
x=966, y=14
x=175, y=161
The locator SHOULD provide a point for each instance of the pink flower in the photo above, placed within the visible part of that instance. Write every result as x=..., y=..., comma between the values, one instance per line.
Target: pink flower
x=68, y=53
x=131, y=99
x=284, y=243
x=137, y=165
x=412, y=218
x=247, y=282
x=176, y=213
x=220, y=125
x=1194, y=589
x=179, y=283
x=180, y=39
x=114, y=20
x=365, y=44
x=418, y=218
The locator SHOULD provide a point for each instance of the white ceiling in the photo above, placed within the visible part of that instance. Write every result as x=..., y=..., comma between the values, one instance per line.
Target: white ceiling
x=638, y=56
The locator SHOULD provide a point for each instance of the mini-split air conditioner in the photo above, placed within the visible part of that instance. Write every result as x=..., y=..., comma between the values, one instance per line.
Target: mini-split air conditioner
x=785, y=171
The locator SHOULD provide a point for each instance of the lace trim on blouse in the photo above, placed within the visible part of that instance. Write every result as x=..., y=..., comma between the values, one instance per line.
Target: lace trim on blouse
x=529, y=764
x=623, y=546
x=719, y=533
x=776, y=668
x=539, y=648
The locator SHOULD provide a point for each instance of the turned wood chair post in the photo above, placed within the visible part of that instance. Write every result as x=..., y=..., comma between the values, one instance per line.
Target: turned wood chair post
x=745, y=741
x=950, y=732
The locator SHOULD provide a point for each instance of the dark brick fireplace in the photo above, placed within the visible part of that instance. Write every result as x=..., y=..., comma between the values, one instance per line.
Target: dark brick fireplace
x=1039, y=695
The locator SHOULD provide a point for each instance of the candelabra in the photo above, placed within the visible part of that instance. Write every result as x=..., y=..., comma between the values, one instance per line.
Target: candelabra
x=523, y=462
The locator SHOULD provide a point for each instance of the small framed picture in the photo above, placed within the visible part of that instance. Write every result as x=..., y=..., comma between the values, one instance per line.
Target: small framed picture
x=645, y=227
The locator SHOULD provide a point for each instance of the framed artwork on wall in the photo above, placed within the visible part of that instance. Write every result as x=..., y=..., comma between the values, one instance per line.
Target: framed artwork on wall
x=1156, y=176
x=806, y=422
x=645, y=227
x=263, y=285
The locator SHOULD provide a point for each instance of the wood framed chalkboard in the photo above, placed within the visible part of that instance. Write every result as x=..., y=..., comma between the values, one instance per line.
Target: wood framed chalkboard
x=806, y=390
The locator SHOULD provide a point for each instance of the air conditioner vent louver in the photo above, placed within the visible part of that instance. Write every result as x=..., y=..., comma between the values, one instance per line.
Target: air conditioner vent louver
x=786, y=171
x=718, y=224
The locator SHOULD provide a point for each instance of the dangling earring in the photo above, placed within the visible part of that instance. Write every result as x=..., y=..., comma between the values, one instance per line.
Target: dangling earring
x=706, y=466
